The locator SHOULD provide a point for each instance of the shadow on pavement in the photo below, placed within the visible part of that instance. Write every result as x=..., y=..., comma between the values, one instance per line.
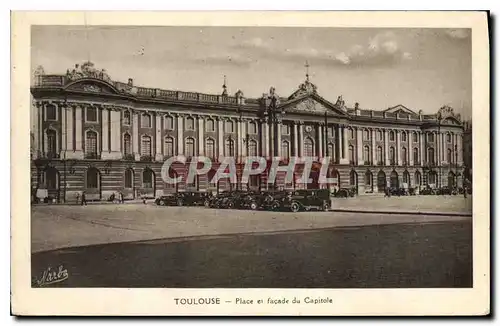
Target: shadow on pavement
x=380, y=256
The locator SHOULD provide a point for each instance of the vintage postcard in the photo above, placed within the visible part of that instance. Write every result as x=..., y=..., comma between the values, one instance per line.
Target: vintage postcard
x=250, y=163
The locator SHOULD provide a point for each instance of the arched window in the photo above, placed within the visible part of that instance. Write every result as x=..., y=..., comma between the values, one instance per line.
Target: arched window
x=127, y=146
x=406, y=177
x=379, y=156
x=146, y=146
x=129, y=179
x=391, y=135
x=415, y=137
x=210, y=148
x=366, y=134
x=392, y=155
x=366, y=154
x=353, y=178
x=394, y=180
x=168, y=149
x=252, y=148
x=368, y=178
x=91, y=144
x=351, y=154
x=285, y=149
x=430, y=137
x=418, y=178
x=449, y=156
x=432, y=178
x=169, y=122
x=380, y=135
x=229, y=147
x=430, y=155
x=229, y=126
x=92, y=180
x=126, y=118
x=308, y=147
x=403, y=136
x=189, y=123
x=146, y=121
x=351, y=133
x=404, y=156
x=415, y=156
x=210, y=125
x=51, y=142
x=252, y=127
x=189, y=147
x=147, y=178
x=331, y=149
x=52, y=178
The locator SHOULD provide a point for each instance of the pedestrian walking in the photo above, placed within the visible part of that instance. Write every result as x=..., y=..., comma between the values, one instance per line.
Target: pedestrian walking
x=120, y=196
x=77, y=198
x=84, y=199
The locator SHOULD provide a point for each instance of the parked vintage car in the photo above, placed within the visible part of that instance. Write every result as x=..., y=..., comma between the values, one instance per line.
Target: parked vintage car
x=344, y=193
x=307, y=199
x=182, y=199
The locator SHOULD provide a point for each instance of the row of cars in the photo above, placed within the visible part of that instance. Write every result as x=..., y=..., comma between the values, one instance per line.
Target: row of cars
x=295, y=200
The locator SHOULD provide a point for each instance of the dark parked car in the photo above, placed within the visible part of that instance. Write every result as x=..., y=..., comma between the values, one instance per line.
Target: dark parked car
x=344, y=193
x=307, y=199
x=183, y=198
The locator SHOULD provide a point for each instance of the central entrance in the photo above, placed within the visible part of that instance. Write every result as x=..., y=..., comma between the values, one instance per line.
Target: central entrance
x=381, y=181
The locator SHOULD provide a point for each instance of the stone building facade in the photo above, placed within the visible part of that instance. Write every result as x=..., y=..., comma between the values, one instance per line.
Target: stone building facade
x=100, y=136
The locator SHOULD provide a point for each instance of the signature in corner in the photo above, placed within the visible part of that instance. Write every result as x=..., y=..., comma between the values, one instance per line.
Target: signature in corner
x=51, y=276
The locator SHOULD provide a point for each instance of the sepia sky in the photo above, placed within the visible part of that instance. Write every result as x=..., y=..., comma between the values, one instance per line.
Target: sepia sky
x=419, y=68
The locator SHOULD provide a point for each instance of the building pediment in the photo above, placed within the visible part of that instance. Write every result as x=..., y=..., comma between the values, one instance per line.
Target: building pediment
x=312, y=103
x=401, y=109
x=90, y=85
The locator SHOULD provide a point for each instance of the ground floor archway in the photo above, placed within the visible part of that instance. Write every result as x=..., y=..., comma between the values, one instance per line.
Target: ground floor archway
x=381, y=181
x=394, y=180
x=368, y=181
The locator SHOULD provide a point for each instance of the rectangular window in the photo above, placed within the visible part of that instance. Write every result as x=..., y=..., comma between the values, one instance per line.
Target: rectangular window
x=51, y=111
x=169, y=123
x=91, y=115
x=285, y=130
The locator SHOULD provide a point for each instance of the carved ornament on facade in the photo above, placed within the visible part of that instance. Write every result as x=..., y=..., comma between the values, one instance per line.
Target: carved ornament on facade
x=87, y=70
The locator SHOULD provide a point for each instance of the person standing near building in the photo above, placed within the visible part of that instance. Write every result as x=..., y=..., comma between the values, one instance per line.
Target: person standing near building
x=84, y=199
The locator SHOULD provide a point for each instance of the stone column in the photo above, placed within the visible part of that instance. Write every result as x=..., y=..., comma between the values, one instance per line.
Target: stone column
x=295, y=140
x=386, y=148
x=278, y=138
x=69, y=130
x=301, y=139
x=338, y=141
x=243, y=136
x=78, y=132
x=116, y=134
x=265, y=138
x=158, y=139
x=180, y=135
x=239, y=135
x=201, y=136
x=460, y=138
x=374, y=150
x=359, y=146
x=409, y=150
x=422, y=148
x=398, y=148
x=320, y=140
x=220, y=143
x=345, y=147
x=105, y=134
x=63, y=132
x=135, y=136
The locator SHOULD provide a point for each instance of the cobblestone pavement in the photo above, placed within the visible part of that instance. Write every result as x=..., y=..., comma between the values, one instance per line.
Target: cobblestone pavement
x=56, y=227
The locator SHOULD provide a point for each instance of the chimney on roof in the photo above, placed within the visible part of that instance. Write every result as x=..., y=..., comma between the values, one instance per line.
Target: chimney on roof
x=130, y=82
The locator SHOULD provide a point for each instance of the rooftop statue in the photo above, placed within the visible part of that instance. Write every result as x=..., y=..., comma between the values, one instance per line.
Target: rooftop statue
x=87, y=70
